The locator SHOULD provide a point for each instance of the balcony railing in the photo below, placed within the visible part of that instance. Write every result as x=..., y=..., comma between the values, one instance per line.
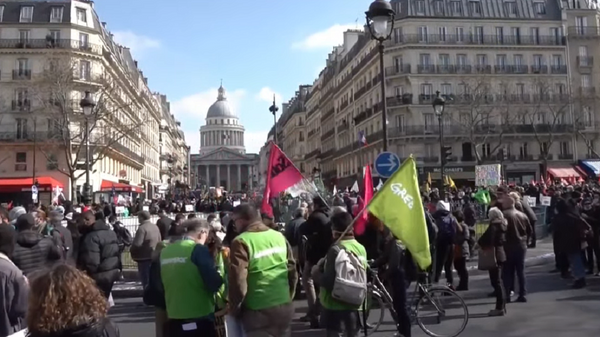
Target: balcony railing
x=21, y=105
x=399, y=100
x=326, y=154
x=555, y=69
x=467, y=130
x=49, y=43
x=313, y=153
x=511, y=69
x=328, y=134
x=21, y=74
x=343, y=127
x=30, y=136
x=585, y=61
x=397, y=70
x=565, y=156
x=473, y=39
x=581, y=31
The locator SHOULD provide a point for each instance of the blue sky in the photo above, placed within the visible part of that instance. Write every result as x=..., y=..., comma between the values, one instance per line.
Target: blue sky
x=258, y=48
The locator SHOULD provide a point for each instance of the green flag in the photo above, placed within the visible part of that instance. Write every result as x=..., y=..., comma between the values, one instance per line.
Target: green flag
x=482, y=197
x=399, y=206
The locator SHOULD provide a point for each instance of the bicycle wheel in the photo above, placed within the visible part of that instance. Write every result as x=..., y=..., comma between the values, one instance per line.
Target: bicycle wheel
x=375, y=312
x=444, y=310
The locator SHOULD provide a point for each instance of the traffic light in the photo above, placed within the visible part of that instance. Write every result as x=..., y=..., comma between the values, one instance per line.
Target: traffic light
x=446, y=153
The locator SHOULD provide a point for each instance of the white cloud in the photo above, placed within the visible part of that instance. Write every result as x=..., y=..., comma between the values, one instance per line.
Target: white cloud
x=191, y=112
x=255, y=140
x=266, y=94
x=330, y=37
x=137, y=43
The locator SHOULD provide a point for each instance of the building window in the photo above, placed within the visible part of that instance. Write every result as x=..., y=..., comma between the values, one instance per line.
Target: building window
x=446, y=89
x=420, y=7
x=539, y=8
x=55, y=35
x=510, y=8
x=456, y=9
x=585, y=80
x=422, y=34
x=84, y=40
x=84, y=70
x=56, y=14
x=81, y=15
x=523, y=151
x=23, y=36
x=429, y=121
x=21, y=128
x=1, y=12
x=21, y=161
x=475, y=7
x=26, y=14
x=460, y=34
x=588, y=116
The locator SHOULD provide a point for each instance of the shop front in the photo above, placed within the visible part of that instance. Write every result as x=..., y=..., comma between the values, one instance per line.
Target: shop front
x=18, y=190
x=461, y=175
x=122, y=187
x=563, y=173
x=519, y=173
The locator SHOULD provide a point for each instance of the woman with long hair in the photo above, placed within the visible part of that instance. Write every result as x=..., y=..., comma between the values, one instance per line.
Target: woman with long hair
x=65, y=302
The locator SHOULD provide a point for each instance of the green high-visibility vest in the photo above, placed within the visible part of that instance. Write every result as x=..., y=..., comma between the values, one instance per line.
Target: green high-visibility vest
x=268, y=284
x=329, y=302
x=221, y=296
x=185, y=294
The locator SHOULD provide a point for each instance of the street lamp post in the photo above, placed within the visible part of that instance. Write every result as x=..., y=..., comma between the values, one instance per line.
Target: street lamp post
x=273, y=108
x=439, y=103
x=380, y=13
x=87, y=104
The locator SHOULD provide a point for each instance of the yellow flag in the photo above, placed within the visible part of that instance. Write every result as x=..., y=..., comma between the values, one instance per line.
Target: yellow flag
x=451, y=182
x=399, y=206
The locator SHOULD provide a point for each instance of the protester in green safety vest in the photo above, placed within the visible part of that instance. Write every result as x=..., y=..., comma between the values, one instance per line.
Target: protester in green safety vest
x=335, y=312
x=262, y=276
x=190, y=281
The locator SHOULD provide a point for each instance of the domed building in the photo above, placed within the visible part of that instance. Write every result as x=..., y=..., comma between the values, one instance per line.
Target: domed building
x=223, y=161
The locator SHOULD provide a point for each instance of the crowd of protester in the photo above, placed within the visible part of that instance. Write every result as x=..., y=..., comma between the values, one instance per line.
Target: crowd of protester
x=58, y=268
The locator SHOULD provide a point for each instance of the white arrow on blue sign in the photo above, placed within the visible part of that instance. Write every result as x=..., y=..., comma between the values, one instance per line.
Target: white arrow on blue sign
x=386, y=164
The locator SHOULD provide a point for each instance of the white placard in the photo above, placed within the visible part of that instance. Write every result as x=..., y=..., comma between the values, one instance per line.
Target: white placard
x=236, y=202
x=21, y=333
x=531, y=201
x=120, y=209
x=146, y=208
x=77, y=209
x=545, y=201
x=189, y=208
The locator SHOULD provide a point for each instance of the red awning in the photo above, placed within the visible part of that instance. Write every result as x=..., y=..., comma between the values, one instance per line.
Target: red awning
x=24, y=184
x=107, y=186
x=563, y=172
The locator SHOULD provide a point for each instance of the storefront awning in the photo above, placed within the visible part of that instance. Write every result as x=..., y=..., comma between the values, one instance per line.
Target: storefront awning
x=559, y=173
x=24, y=184
x=107, y=186
x=590, y=166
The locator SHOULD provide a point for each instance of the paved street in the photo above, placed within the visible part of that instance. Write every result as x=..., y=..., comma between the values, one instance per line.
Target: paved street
x=553, y=310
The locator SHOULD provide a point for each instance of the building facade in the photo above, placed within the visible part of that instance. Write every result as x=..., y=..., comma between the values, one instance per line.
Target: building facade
x=518, y=78
x=51, y=53
x=223, y=161
x=174, y=152
x=292, y=123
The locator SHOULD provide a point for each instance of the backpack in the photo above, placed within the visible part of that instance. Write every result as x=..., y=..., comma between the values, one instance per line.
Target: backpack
x=123, y=235
x=446, y=227
x=350, y=285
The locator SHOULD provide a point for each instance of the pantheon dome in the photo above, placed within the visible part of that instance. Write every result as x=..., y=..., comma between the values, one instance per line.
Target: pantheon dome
x=222, y=127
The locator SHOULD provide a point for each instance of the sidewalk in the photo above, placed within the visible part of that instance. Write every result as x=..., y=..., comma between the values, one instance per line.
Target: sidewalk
x=542, y=254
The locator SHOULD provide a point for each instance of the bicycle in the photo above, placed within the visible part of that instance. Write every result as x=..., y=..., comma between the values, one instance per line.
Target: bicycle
x=423, y=295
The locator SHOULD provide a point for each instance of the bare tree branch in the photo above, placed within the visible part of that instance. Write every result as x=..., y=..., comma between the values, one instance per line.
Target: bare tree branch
x=115, y=119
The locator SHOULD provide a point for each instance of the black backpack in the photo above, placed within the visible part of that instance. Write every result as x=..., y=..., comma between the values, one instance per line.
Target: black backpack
x=123, y=235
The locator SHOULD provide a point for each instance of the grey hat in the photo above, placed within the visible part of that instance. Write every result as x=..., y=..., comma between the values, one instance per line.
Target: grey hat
x=15, y=213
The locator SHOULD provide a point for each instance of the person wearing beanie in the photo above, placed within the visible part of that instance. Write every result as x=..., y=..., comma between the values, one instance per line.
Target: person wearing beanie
x=144, y=243
x=15, y=213
x=14, y=288
x=33, y=251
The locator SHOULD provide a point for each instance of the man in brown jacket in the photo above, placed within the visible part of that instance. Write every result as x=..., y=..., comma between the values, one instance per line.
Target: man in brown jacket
x=518, y=230
x=262, y=276
x=142, y=248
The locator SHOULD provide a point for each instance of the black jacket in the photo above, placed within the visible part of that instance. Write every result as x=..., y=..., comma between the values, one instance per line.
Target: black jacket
x=34, y=252
x=99, y=254
x=164, y=223
x=63, y=237
x=318, y=232
x=106, y=328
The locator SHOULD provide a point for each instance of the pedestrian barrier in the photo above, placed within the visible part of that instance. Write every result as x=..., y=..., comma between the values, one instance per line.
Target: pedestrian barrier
x=131, y=223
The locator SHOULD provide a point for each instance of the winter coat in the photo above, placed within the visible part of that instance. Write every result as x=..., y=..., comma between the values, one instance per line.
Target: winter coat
x=318, y=232
x=105, y=328
x=99, y=254
x=495, y=237
x=34, y=252
x=146, y=238
x=14, y=292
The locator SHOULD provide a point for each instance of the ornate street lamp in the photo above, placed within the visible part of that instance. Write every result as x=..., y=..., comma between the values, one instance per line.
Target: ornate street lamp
x=87, y=104
x=273, y=108
x=379, y=16
x=439, y=104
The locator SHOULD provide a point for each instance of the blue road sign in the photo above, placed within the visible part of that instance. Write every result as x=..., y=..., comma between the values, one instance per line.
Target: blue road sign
x=386, y=164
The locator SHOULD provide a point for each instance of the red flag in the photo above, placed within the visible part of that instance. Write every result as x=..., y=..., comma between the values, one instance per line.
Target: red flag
x=361, y=223
x=281, y=174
